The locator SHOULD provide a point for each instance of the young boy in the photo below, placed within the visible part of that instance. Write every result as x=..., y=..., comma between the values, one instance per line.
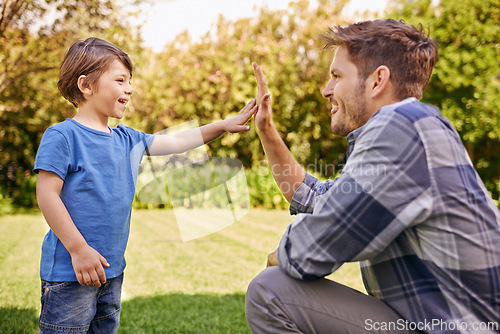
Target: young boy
x=86, y=186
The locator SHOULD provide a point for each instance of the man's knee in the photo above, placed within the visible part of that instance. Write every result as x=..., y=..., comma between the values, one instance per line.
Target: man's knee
x=265, y=310
x=259, y=294
x=259, y=286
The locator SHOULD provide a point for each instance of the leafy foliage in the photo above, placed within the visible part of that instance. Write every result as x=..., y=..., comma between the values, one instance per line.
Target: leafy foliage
x=212, y=78
x=30, y=54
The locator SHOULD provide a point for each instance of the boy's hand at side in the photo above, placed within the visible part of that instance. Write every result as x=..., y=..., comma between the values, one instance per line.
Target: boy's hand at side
x=88, y=265
x=87, y=262
x=237, y=123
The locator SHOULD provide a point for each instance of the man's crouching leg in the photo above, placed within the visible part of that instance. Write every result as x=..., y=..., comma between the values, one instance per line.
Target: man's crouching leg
x=277, y=303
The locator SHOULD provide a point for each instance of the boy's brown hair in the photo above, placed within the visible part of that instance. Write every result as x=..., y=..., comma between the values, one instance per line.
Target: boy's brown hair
x=407, y=51
x=91, y=58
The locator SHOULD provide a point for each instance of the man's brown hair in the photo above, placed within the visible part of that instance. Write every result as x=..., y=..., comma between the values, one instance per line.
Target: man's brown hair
x=91, y=58
x=407, y=51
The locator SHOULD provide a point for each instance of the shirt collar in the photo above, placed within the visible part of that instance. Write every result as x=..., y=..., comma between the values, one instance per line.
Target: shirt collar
x=398, y=104
x=353, y=135
x=351, y=139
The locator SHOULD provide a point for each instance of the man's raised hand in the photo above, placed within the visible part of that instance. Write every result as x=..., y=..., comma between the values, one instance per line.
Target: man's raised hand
x=263, y=117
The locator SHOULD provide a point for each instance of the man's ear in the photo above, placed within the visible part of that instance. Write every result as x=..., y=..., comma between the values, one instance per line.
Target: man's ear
x=84, y=86
x=379, y=80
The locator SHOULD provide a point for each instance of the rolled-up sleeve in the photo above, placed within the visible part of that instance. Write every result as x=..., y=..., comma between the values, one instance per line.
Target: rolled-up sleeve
x=307, y=193
x=383, y=189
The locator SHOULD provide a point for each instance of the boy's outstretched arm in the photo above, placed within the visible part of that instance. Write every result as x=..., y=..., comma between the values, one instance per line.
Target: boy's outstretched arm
x=192, y=138
x=87, y=262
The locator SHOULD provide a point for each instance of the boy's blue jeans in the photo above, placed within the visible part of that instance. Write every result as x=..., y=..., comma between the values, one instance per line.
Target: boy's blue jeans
x=68, y=307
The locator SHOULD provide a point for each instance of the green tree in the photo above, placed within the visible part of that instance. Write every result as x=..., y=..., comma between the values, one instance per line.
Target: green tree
x=213, y=78
x=34, y=36
x=465, y=84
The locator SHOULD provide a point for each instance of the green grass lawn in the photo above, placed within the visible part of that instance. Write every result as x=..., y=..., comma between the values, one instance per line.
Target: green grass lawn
x=170, y=286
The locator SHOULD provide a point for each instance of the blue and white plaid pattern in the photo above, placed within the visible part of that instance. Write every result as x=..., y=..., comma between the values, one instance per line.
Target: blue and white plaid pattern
x=411, y=208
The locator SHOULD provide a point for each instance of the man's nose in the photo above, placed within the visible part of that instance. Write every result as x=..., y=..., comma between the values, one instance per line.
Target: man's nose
x=328, y=91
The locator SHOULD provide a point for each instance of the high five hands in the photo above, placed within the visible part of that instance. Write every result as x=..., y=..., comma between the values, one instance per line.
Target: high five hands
x=263, y=117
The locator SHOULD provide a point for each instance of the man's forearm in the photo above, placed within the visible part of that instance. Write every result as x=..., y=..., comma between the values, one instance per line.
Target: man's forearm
x=287, y=173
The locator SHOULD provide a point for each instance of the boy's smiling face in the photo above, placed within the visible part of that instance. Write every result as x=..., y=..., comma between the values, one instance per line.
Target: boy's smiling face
x=109, y=97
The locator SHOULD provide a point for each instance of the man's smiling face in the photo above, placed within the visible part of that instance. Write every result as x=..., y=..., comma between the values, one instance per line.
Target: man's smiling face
x=347, y=94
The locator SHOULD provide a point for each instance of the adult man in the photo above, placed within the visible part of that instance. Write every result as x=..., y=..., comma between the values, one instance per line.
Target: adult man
x=424, y=228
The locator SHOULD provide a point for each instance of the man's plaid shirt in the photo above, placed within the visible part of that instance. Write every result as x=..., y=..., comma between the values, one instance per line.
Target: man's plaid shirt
x=411, y=208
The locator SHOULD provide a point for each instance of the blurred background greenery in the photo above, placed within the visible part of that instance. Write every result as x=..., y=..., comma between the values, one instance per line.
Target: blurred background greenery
x=212, y=78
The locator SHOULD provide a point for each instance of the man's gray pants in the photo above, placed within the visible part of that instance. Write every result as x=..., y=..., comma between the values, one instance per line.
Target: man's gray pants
x=278, y=303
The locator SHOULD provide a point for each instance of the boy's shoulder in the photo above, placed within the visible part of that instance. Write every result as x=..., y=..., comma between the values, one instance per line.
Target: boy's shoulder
x=72, y=129
x=61, y=127
x=70, y=125
x=125, y=131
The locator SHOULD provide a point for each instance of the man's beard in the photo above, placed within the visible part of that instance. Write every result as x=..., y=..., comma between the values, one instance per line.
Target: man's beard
x=354, y=113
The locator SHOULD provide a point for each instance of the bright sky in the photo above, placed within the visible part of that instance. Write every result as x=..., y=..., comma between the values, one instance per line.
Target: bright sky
x=165, y=19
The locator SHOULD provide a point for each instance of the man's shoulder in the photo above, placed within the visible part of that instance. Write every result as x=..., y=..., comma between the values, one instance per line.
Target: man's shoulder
x=404, y=116
x=400, y=120
x=415, y=110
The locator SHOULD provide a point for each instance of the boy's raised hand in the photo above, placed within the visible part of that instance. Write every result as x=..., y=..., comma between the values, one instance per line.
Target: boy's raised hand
x=237, y=123
x=263, y=118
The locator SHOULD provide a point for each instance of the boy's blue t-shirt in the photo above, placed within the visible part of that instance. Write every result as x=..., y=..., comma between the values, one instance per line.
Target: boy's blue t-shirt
x=99, y=171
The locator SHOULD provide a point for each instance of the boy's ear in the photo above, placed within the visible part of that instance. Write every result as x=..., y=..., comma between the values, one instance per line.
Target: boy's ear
x=84, y=85
x=380, y=79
